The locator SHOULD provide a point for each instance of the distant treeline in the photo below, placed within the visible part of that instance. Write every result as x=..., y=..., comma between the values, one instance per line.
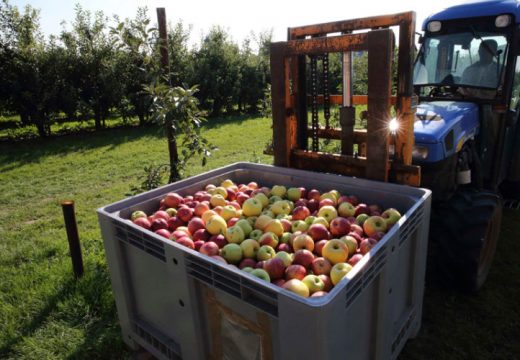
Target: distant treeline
x=100, y=66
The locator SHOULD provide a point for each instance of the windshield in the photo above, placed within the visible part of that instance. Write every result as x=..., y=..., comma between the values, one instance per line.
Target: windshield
x=465, y=59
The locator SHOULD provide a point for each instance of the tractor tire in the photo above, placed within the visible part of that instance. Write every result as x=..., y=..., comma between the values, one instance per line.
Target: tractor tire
x=464, y=233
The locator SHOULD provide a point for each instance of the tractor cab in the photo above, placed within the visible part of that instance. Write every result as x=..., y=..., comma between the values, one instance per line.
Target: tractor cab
x=467, y=78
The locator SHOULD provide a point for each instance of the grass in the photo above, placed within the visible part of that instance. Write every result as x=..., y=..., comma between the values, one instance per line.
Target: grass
x=46, y=314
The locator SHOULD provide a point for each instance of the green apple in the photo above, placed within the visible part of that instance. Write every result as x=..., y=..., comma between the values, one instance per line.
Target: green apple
x=281, y=207
x=297, y=286
x=294, y=193
x=279, y=190
x=351, y=243
x=263, y=199
x=314, y=283
x=261, y=274
x=235, y=235
x=286, y=258
x=391, y=216
x=138, y=214
x=252, y=207
x=268, y=213
x=328, y=212
x=171, y=211
x=249, y=248
x=309, y=220
x=251, y=220
x=299, y=225
x=245, y=225
x=374, y=224
x=360, y=219
x=247, y=269
x=274, y=199
x=339, y=271
x=232, y=253
x=286, y=236
x=346, y=209
x=256, y=234
x=321, y=220
x=265, y=252
x=329, y=195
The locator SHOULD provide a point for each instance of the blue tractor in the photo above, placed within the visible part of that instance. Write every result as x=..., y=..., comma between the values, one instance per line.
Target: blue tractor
x=467, y=133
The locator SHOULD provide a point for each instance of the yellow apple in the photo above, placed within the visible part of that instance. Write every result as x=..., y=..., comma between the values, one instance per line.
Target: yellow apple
x=216, y=225
x=336, y=251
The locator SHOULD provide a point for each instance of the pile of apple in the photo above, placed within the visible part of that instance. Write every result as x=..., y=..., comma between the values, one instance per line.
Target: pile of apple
x=303, y=241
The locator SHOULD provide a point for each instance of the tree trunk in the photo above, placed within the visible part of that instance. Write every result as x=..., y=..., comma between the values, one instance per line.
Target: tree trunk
x=97, y=119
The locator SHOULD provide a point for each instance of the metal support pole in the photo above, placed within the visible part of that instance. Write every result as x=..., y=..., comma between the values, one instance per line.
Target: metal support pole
x=73, y=237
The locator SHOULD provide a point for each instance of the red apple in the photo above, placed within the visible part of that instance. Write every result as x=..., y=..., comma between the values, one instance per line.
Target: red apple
x=303, y=257
x=209, y=248
x=143, y=222
x=373, y=225
x=355, y=259
x=318, y=246
x=362, y=209
x=313, y=205
x=196, y=223
x=355, y=228
x=295, y=272
x=327, y=281
x=301, y=202
x=174, y=222
x=201, y=208
x=201, y=234
x=219, y=259
x=319, y=293
x=321, y=266
x=300, y=213
x=284, y=247
x=198, y=244
x=185, y=213
x=186, y=241
x=218, y=239
x=172, y=200
x=326, y=202
x=339, y=226
x=159, y=223
x=286, y=225
x=275, y=268
x=318, y=232
x=247, y=262
x=313, y=194
x=366, y=245
x=241, y=197
x=303, y=241
x=161, y=214
x=163, y=232
x=279, y=282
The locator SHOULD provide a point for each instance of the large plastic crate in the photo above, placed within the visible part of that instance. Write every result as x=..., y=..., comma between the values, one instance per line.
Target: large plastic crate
x=177, y=303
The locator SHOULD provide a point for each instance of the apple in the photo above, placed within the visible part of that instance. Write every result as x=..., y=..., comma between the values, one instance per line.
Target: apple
x=374, y=209
x=366, y=245
x=261, y=274
x=321, y=266
x=218, y=239
x=159, y=223
x=353, y=199
x=281, y=207
x=351, y=242
x=339, y=271
x=346, y=209
x=278, y=190
x=178, y=234
x=137, y=214
x=297, y=286
x=209, y=248
x=216, y=225
x=163, y=232
x=247, y=263
x=274, y=226
x=285, y=257
x=378, y=235
x=274, y=199
x=219, y=259
x=231, y=222
x=300, y=202
x=319, y=294
x=322, y=221
x=250, y=248
x=265, y=252
x=335, y=251
x=247, y=269
x=357, y=229
x=318, y=232
x=279, y=282
x=313, y=205
x=183, y=229
x=217, y=200
x=220, y=190
x=252, y=207
x=309, y=220
x=262, y=221
x=391, y=216
x=262, y=197
x=326, y=281
x=355, y=259
x=275, y=267
x=270, y=239
x=235, y=235
x=362, y=209
x=205, y=217
x=227, y=183
x=232, y=253
x=252, y=185
x=228, y=212
x=299, y=225
x=143, y=222
x=260, y=264
x=300, y=213
x=231, y=194
x=294, y=193
x=313, y=194
x=339, y=226
x=318, y=246
x=241, y=198
x=186, y=241
x=303, y=257
x=328, y=212
x=314, y=283
x=195, y=224
x=172, y=200
x=361, y=218
x=198, y=244
x=245, y=225
x=373, y=225
x=201, y=208
x=284, y=247
x=256, y=234
x=171, y=211
x=295, y=271
x=303, y=241
x=210, y=187
x=185, y=213
x=287, y=225
x=326, y=202
x=268, y=212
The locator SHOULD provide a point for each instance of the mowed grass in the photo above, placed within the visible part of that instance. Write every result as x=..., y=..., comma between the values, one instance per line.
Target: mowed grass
x=46, y=314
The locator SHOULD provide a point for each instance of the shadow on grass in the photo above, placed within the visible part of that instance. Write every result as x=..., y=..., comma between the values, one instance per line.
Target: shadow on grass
x=86, y=303
x=12, y=154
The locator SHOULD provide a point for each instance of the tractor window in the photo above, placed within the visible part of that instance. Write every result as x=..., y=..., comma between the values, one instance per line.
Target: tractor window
x=515, y=96
x=466, y=60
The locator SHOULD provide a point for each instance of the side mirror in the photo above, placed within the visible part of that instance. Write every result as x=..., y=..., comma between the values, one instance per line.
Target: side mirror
x=421, y=38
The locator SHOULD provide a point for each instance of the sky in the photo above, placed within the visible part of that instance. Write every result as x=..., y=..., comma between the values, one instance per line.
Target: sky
x=239, y=18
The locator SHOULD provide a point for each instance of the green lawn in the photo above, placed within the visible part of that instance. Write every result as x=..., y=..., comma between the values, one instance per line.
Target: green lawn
x=46, y=314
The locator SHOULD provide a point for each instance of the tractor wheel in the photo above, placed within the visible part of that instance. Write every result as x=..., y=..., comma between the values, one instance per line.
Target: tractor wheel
x=463, y=235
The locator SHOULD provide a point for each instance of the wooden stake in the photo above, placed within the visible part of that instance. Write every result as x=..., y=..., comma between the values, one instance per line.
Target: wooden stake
x=73, y=237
